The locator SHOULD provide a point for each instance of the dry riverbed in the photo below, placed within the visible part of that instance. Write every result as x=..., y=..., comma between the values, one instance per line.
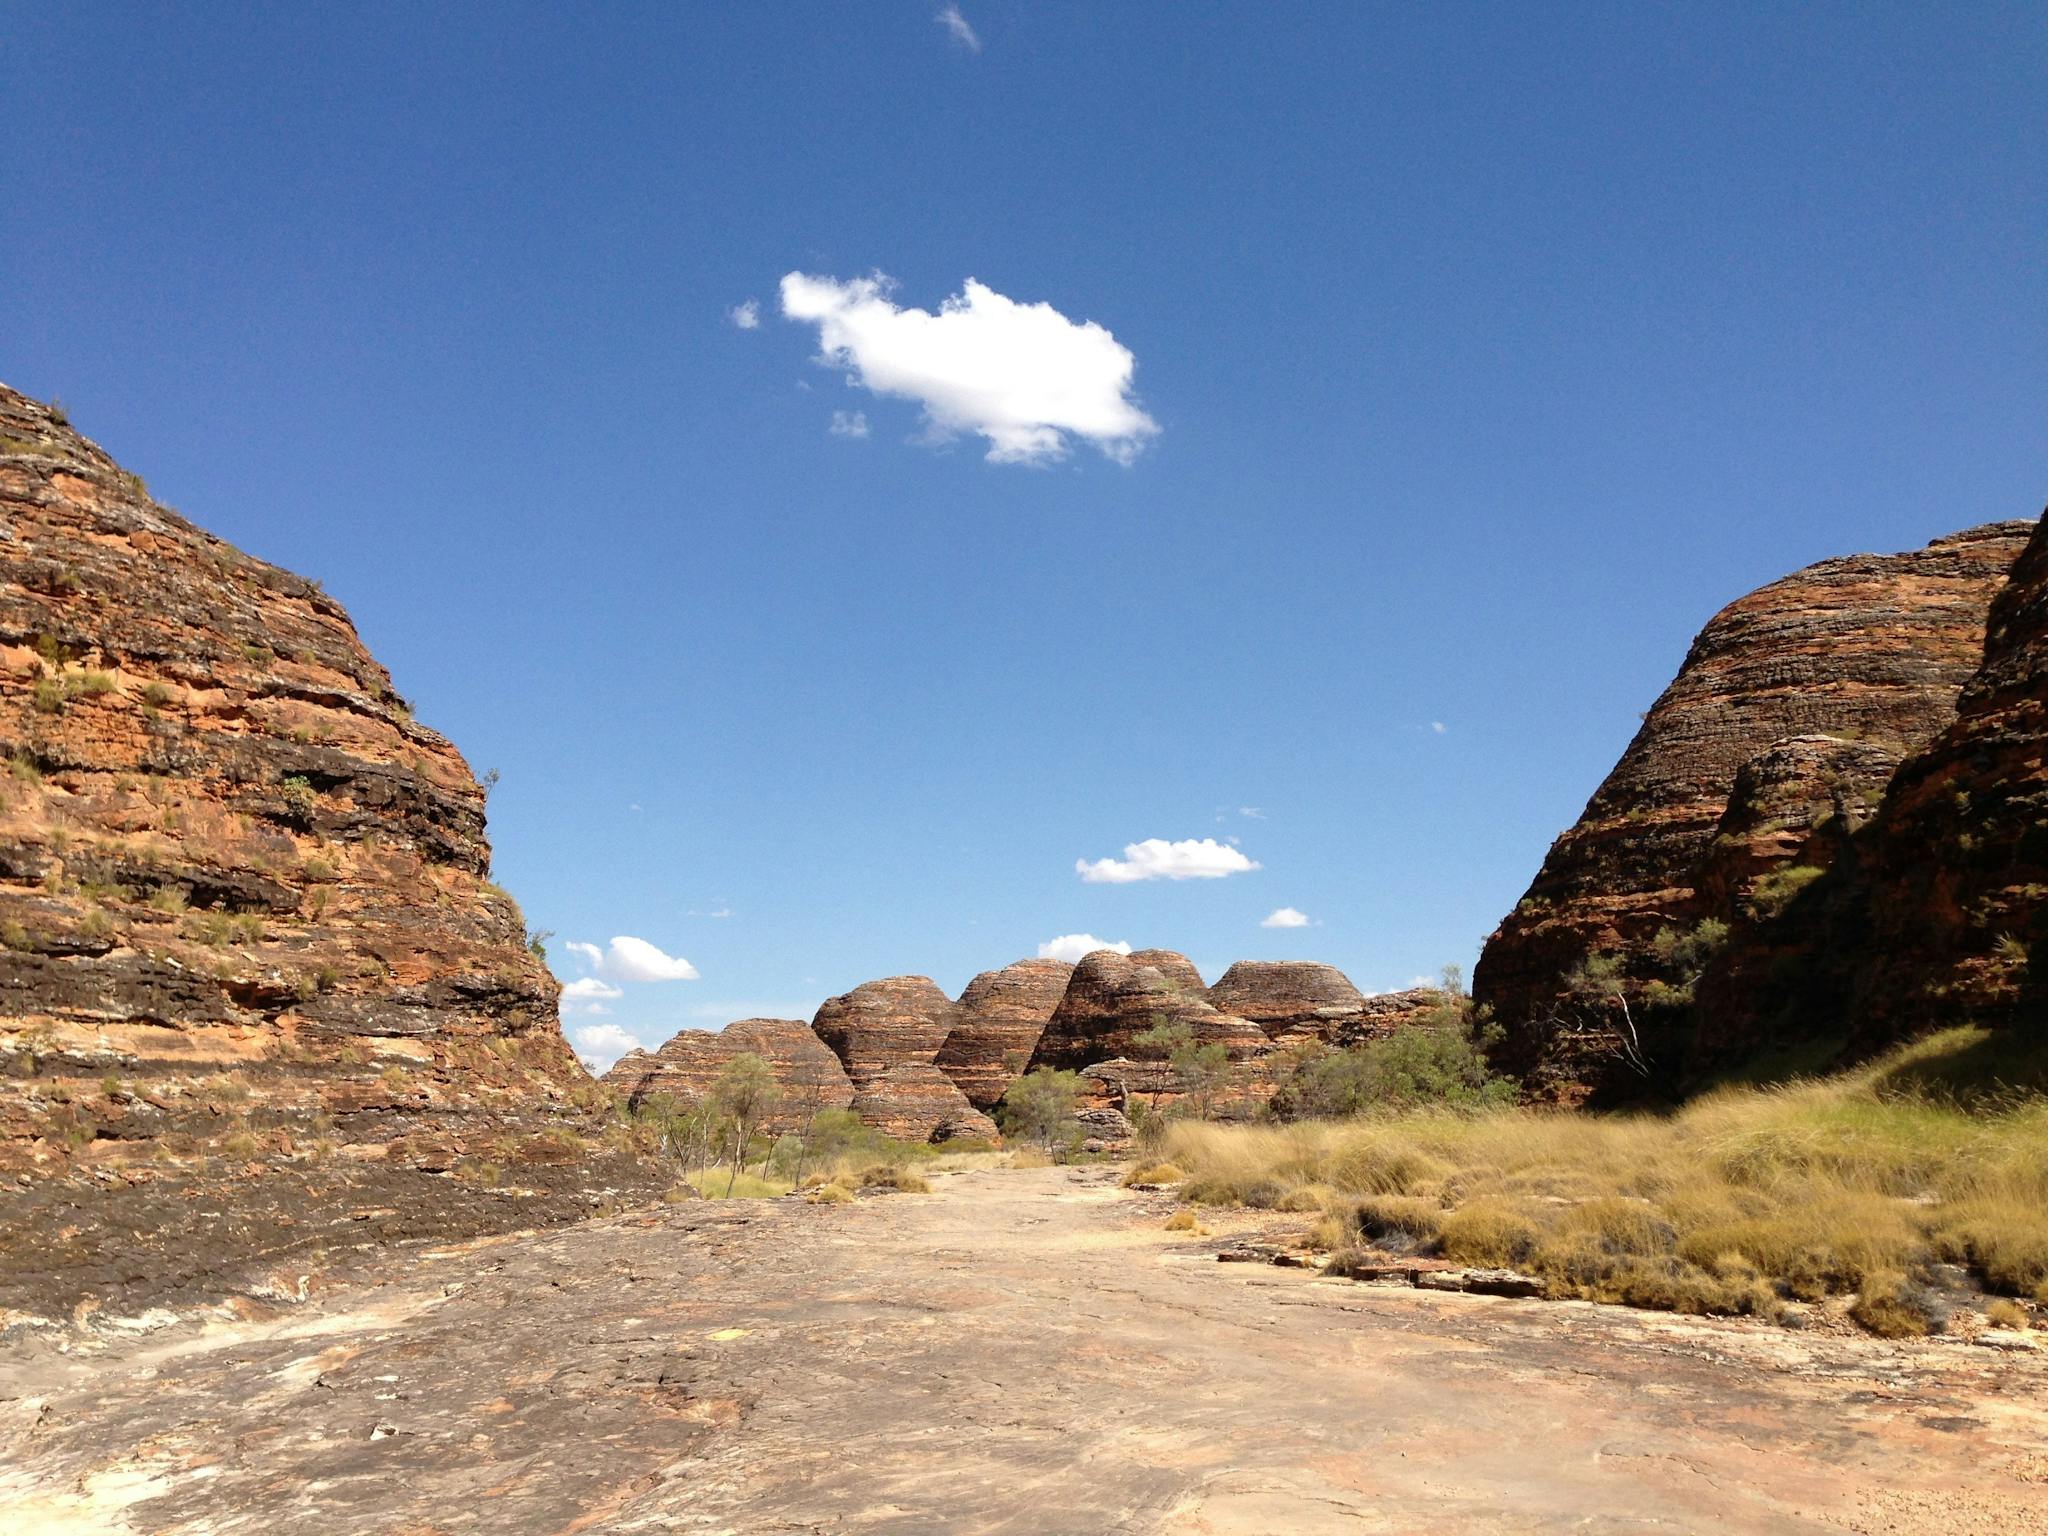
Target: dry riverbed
x=1021, y=1351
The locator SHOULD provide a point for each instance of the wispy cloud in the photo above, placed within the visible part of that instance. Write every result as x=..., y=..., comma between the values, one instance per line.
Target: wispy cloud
x=1072, y=946
x=1285, y=917
x=1156, y=859
x=746, y=316
x=1251, y=813
x=586, y=994
x=957, y=27
x=1438, y=727
x=1023, y=376
x=849, y=424
x=631, y=959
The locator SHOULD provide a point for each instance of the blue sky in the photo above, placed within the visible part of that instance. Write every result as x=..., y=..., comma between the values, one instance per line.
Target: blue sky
x=1489, y=350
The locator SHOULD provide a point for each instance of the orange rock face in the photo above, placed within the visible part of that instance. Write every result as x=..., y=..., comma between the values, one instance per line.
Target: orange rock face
x=1869, y=651
x=247, y=932
x=1001, y=1015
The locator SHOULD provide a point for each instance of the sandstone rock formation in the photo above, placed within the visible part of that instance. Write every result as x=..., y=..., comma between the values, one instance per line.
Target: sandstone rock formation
x=1939, y=911
x=1868, y=650
x=1955, y=867
x=895, y=1022
x=1178, y=969
x=808, y=1077
x=1289, y=999
x=257, y=991
x=1001, y=1015
x=918, y=1102
x=1113, y=1001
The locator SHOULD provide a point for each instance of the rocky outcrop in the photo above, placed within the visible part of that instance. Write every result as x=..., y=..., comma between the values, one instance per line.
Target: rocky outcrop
x=257, y=992
x=1001, y=1015
x=1289, y=999
x=899, y=1021
x=1179, y=971
x=1868, y=651
x=918, y=1102
x=1939, y=911
x=1114, y=1002
x=808, y=1077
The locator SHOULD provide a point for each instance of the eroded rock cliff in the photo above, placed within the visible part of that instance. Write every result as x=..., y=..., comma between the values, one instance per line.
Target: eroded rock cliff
x=808, y=1077
x=258, y=994
x=1865, y=655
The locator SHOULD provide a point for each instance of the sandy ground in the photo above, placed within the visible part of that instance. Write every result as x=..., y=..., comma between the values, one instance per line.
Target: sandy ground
x=1021, y=1351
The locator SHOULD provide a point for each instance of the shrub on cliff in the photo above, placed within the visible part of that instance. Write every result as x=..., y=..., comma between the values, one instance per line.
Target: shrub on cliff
x=1438, y=1060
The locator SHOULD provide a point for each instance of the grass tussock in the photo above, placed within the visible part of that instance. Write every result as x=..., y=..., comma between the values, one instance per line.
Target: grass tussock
x=1183, y=1220
x=1842, y=1187
x=1153, y=1173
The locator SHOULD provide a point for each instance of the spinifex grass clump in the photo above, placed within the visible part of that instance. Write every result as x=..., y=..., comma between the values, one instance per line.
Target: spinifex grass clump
x=1851, y=1186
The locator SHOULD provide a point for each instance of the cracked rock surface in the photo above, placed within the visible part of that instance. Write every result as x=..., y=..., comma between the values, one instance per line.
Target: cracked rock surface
x=1022, y=1351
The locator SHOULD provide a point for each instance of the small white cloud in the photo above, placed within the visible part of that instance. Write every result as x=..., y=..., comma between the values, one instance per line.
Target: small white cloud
x=746, y=316
x=602, y=1044
x=957, y=27
x=1072, y=946
x=586, y=994
x=1438, y=726
x=1156, y=859
x=712, y=912
x=849, y=424
x=631, y=959
x=1285, y=917
x=1251, y=813
x=1023, y=376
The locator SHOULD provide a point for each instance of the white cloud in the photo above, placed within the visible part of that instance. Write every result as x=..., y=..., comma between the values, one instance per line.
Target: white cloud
x=1156, y=859
x=1251, y=813
x=1072, y=946
x=586, y=994
x=1023, y=376
x=631, y=959
x=746, y=316
x=710, y=912
x=849, y=424
x=1285, y=917
x=1438, y=726
x=602, y=1044
x=956, y=25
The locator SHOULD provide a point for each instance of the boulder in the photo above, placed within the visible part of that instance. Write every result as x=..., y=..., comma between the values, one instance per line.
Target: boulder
x=1000, y=1017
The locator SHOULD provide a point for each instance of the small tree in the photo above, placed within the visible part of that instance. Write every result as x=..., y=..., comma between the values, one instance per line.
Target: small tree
x=744, y=1094
x=1199, y=1070
x=809, y=1084
x=1040, y=1107
x=1599, y=985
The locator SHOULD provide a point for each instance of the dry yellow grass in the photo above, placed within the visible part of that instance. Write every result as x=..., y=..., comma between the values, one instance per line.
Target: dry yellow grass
x=1835, y=1187
x=1153, y=1173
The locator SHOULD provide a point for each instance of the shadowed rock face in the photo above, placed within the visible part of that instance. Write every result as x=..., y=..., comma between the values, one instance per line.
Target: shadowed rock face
x=255, y=978
x=918, y=1102
x=1178, y=969
x=808, y=1077
x=900, y=1021
x=1001, y=1015
x=1289, y=999
x=1940, y=914
x=1870, y=650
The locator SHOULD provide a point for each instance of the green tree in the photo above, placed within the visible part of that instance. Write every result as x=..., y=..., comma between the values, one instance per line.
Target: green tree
x=1040, y=1107
x=1200, y=1071
x=745, y=1094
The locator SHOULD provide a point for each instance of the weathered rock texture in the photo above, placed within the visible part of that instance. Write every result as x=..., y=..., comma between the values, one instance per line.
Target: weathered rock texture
x=1289, y=999
x=1113, y=1001
x=917, y=1102
x=899, y=1021
x=1938, y=914
x=1001, y=1015
x=257, y=993
x=808, y=1077
x=1869, y=650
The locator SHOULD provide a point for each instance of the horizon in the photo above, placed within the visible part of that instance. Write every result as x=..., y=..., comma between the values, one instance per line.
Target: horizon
x=1257, y=542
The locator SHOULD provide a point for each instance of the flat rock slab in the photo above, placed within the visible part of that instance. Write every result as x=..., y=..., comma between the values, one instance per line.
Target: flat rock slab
x=1021, y=1351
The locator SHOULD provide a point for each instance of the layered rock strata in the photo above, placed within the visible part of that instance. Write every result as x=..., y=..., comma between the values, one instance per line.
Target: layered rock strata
x=258, y=994
x=918, y=1102
x=808, y=1077
x=1870, y=651
x=1000, y=1017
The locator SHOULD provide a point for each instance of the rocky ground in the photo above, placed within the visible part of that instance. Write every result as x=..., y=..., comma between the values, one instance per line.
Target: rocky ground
x=1021, y=1351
